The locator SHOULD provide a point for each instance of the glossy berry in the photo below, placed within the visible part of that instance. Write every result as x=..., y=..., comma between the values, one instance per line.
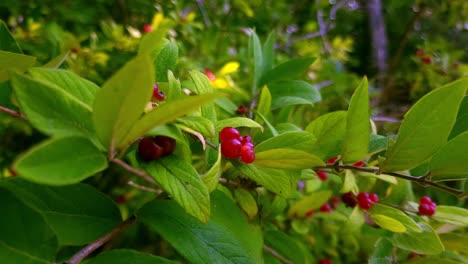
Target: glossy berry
x=420, y=53
x=310, y=213
x=210, y=75
x=148, y=150
x=326, y=208
x=366, y=201
x=325, y=261
x=349, y=199
x=147, y=28
x=359, y=163
x=167, y=143
x=425, y=200
x=247, y=155
x=229, y=133
x=157, y=94
x=335, y=201
x=231, y=148
x=426, y=60
x=426, y=206
x=332, y=160
x=373, y=197
x=323, y=176
x=246, y=139
x=242, y=110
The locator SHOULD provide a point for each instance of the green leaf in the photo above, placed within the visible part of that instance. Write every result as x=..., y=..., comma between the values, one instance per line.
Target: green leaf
x=56, y=62
x=154, y=41
x=122, y=100
x=354, y=223
x=255, y=51
x=211, y=177
x=175, y=88
x=198, y=123
x=286, y=93
x=268, y=52
x=377, y=144
x=383, y=252
x=82, y=89
x=349, y=183
x=388, y=223
x=26, y=237
x=78, y=214
x=223, y=239
x=236, y=122
x=61, y=161
x=52, y=110
x=277, y=181
x=356, y=141
x=396, y=214
x=429, y=120
x=202, y=86
x=432, y=260
x=8, y=42
x=264, y=104
x=166, y=61
x=287, y=246
x=164, y=114
x=426, y=242
x=461, y=124
x=449, y=162
x=310, y=202
x=451, y=215
x=246, y=202
x=12, y=62
x=298, y=140
x=285, y=158
x=182, y=182
x=330, y=130
x=126, y=256
x=287, y=71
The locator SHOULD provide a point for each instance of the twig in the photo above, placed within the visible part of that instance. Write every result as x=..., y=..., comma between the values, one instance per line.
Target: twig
x=386, y=119
x=211, y=144
x=204, y=13
x=422, y=180
x=135, y=171
x=144, y=188
x=12, y=113
x=277, y=255
x=78, y=257
x=228, y=182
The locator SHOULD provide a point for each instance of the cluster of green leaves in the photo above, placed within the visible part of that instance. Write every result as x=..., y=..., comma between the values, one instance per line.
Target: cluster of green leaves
x=90, y=127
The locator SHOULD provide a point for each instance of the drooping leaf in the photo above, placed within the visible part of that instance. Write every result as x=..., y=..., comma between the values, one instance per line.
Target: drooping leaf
x=25, y=236
x=426, y=242
x=286, y=158
x=293, y=92
x=310, y=202
x=246, y=202
x=451, y=215
x=388, y=223
x=461, y=123
x=198, y=123
x=430, y=120
x=8, y=42
x=356, y=141
x=122, y=100
x=288, y=70
x=82, y=89
x=78, y=214
x=12, y=62
x=52, y=110
x=222, y=240
x=182, y=182
x=165, y=61
x=61, y=161
x=275, y=180
x=396, y=214
x=126, y=256
x=298, y=140
x=237, y=122
x=329, y=129
x=449, y=162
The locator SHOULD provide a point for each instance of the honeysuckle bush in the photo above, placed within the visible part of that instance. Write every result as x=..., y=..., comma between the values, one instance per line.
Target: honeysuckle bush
x=197, y=206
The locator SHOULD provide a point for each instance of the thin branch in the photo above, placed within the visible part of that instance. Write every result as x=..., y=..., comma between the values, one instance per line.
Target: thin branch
x=277, y=255
x=144, y=188
x=386, y=119
x=12, y=113
x=422, y=180
x=204, y=13
x=228, y=182
x=135, y=171
x=78, y=257
x=211, y=144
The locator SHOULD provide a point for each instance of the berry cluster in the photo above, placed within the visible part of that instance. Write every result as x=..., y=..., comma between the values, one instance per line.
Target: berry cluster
x=349, y=199
x=157, y=94
x=366, y=200
x=426, y=206
x=233, y=145
x=153, y=148
x=325, y=261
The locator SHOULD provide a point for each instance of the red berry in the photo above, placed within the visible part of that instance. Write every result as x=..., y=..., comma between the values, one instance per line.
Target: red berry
x=246, y=139
x=325, y=261
x=427, y=209
x=326, y=208
x=359, y=163
x=323, y=176
x=332, y=160
x=120, y=199
x=242, y=110
x=425, y=200
x=231, y=148
x=247, y=155
x=456, y=64
x=335, y=201
x=419, y=53
x=249, y=145
x=349, y=199
x=229, y=133
x=364, y=201
x=210, y=75
x=426, y=60
x=157, y=94
x=148, y=149
x=147, y=28
x=166, y=143
x=373, y=197
x=310, y=213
